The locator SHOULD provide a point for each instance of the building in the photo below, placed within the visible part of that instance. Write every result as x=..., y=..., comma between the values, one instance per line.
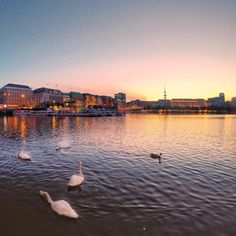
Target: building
x=90, y=100
x=233, y=102
x=120, y=97
x=15, y=96
x=66, y=98
x=217, y=101
x=120, y=101
x=163, y=103
x=77, y=101
x=44, y=97
x=107, y=102
x=187, y=103
x=139, y=105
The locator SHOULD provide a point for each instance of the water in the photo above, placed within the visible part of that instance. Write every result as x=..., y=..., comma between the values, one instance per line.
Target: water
x=192, y=192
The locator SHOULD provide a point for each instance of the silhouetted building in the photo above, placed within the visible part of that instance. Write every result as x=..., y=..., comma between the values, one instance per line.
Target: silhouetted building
x=217, y=101
x=16, y=96
x=233, y=102
x=163, y=103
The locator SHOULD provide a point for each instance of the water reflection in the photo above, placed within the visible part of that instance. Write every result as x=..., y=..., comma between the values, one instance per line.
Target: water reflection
x=191, y=191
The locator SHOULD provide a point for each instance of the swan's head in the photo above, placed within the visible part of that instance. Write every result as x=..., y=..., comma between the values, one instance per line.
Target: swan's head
x=45, y=196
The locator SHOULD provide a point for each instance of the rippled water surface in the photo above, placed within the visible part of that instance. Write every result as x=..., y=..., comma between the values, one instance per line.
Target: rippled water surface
x=192, y=191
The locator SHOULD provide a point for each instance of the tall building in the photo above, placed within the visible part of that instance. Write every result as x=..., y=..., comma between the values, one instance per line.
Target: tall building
x=43, y=97
x=14, y=96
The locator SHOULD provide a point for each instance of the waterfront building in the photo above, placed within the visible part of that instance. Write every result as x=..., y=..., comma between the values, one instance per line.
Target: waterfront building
x=98, y=101
x=66, y=98
x=77, y=101
x=15, y=96
x=139, y=105
x=107, y=102
x=233, y=102
x=120, y=101
x=187, y=102
x=217, y=101
x=43, y=97
x=163, y=103
x=90, y=100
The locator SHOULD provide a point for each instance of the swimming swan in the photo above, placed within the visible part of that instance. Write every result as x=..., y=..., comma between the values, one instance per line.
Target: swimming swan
x=23, y=155
x=78, y=179
x=64, y=144
x=61, y=207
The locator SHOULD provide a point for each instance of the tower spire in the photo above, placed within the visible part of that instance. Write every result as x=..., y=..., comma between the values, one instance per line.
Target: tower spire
x=165, y=96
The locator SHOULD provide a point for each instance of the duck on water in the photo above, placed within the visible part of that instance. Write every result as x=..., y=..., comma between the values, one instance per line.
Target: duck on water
x=156, y=156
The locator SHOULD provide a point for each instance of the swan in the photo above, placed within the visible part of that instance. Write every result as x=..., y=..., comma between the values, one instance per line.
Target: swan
x=155, y=156
x=23, y=155
x=61, y=207
x=78, y=179
x=63, y=145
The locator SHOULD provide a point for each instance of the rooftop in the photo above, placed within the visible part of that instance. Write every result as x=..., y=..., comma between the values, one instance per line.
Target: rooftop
x=16, y=86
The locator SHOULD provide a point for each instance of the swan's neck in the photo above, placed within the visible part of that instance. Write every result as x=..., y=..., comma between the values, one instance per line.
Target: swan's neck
x=47, y=197
x=80, y=168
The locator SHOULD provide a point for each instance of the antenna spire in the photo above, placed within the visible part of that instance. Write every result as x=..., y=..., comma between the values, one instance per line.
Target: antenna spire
x=165, y=96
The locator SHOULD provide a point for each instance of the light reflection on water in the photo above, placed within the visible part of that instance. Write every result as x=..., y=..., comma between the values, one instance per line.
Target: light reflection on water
x=125, y=191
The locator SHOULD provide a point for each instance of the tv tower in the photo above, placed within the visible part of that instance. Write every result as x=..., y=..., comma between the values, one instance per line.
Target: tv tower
x=165, y=96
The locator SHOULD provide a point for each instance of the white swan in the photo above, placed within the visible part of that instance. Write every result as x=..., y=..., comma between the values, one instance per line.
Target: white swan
x=61, y=207
x=78, y=179
x=23, y=155
x=63, y=145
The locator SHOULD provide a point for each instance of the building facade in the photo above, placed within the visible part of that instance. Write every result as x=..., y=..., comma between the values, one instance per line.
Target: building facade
x=187, y=102
x=120, y=101
x=107, y=102
x=15, y=96
x=217, y=101
x=77, y=101
x=233, y=102
x=43, y=97
x=90, y=100
x=139, y=105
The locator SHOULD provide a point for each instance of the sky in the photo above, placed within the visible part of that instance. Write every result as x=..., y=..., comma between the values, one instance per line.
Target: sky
x=131, y=46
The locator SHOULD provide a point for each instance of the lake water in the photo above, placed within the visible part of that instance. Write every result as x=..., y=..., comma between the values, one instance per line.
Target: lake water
x=192, y=191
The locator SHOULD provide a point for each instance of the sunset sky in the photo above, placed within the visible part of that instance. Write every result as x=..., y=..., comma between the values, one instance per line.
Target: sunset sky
x=132, y=46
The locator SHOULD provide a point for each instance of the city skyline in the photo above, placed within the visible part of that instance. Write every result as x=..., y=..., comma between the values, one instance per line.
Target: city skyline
x=135, y=47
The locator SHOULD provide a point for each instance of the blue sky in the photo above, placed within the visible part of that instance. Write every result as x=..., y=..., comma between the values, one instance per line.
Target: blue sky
x=132, y=46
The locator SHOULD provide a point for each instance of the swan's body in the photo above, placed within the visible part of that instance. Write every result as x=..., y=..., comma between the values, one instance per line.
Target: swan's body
x=156, y=156
x=61, y=207
x=78, y=179
x=63, y=145
x=23, y=155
